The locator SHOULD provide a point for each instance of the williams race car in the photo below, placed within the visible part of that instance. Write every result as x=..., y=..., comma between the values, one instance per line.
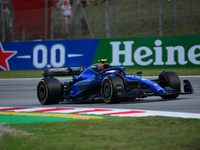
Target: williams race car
x=101, y=82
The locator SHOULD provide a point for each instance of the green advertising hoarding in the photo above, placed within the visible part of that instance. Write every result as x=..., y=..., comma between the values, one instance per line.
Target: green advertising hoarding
x=150, y=52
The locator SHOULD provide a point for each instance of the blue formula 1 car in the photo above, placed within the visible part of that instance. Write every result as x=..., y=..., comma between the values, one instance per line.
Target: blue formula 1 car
x=101, y=82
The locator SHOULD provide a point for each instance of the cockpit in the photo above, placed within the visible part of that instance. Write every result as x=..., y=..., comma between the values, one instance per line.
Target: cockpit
x=99, y=67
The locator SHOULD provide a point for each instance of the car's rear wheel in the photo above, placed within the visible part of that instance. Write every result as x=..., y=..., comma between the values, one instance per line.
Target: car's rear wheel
x=172, y=80
x=49, y=91
x=112, y=89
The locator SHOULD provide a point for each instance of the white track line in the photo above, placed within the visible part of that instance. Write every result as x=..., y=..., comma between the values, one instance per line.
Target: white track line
x=105, y=111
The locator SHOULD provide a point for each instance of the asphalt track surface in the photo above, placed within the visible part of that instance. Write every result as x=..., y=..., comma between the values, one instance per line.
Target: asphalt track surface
x=22, y=93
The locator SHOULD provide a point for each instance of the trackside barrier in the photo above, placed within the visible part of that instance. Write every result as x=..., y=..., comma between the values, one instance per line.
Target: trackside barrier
x=147, y=52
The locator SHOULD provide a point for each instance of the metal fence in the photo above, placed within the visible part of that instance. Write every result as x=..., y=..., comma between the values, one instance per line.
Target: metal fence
x=106, y=19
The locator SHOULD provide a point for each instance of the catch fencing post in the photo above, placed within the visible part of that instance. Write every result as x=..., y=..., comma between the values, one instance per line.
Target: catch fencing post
x=114, y=15
x=107, y=20
x=161, y=19
x=190, y=17
x=138, y=12
x=80, y=18
x=45, y=20
x=3, y=26
x=23, y=35
x=12, y=23
x=150, y=18
x=174, y=13
x=52, y=23
x=3, y=21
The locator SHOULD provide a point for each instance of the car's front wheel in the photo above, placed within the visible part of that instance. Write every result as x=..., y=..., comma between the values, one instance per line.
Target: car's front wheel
x=112, y=89
x=172, y=80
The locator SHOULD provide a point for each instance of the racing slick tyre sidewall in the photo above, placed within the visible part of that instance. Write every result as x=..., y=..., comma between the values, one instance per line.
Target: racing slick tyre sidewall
x=173, y=81
x=109, y=89
x=49, y=91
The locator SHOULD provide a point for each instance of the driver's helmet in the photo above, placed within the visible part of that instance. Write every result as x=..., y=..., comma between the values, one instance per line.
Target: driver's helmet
x=103, y=66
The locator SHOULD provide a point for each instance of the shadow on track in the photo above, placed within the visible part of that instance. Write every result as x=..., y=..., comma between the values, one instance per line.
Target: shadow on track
x=127, y=101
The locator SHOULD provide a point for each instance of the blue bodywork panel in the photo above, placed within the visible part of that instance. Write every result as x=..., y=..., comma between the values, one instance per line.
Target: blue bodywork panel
x=90, y=79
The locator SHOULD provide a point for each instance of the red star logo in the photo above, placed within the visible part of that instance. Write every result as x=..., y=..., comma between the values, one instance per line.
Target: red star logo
x=4, y=56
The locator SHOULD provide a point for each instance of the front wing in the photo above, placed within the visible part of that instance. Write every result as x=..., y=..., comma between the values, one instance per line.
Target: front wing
x=141, y=93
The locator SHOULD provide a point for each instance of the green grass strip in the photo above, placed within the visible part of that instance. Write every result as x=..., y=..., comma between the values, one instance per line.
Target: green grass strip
x=124, y=133
x=146, y=72
x=10, y=119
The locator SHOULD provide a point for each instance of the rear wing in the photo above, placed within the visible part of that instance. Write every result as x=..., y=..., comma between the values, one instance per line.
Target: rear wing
x=65, y=71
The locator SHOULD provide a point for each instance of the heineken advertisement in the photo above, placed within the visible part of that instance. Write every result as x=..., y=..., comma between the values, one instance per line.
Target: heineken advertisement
x=136, y=52
x=154, y=52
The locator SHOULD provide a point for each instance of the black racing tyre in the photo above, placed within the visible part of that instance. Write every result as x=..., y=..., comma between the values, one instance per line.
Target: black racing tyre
x=173, y=81
x=49, y=91
x=109, y=87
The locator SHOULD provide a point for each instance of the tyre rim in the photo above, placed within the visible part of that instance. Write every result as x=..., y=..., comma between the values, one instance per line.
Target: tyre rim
x=106, y=90
x=42, y=91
